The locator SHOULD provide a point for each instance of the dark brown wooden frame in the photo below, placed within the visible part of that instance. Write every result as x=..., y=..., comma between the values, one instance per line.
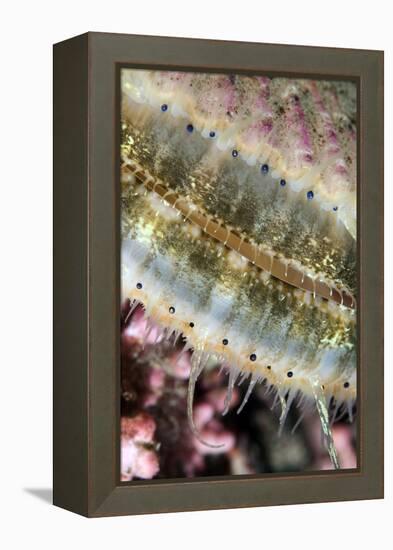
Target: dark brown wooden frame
x=86, y=274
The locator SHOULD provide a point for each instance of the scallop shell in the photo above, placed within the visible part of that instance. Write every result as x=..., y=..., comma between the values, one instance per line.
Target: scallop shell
x=239, y=225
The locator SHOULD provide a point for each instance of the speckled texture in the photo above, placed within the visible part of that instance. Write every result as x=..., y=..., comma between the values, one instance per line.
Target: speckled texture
x=226, y=298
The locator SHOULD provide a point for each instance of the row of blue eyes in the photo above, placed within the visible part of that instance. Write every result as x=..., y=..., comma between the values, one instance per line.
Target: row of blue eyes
x=225, y=342
x=235, y=153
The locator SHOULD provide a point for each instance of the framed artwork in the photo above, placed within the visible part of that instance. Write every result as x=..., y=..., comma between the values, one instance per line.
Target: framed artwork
x=218, y=274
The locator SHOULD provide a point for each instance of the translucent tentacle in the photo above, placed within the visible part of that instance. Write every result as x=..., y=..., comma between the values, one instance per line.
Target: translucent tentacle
x=297, y=423
x=233, y=374
x=350, y=411
x=196, y=368
x=323, y=412
x=285, y=406
x=276, y=398
x=134, y=305
x=253, y=381
x=342, y=413
x=335, y=411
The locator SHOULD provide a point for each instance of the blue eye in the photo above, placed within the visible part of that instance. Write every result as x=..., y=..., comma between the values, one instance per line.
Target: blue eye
x=190, y=128
x=212, y=134
x=264, y=168
x=310, y=195
x=283, y=183
x=164, y=107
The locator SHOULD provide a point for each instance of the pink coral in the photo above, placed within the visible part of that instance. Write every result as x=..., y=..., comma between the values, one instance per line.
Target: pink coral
x=154, y=387
x=138, y=456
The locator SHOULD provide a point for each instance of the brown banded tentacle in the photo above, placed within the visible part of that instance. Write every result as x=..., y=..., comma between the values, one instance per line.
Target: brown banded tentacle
x=265, y=260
